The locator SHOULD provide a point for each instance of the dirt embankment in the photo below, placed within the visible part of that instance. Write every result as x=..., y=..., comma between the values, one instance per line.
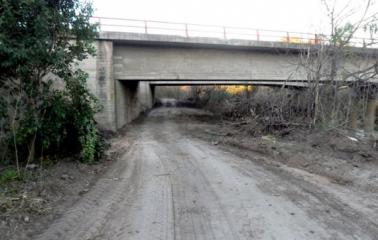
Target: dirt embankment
x=167, y=185
x=171, y=186
x=346, y=158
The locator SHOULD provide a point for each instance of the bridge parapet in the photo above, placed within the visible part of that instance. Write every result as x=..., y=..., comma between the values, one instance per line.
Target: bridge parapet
x=190, y=30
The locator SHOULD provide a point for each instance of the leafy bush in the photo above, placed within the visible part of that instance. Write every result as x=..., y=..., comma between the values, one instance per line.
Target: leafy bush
x=8, y=175
x=36, y=49
x=86, y=106
x=66, y=125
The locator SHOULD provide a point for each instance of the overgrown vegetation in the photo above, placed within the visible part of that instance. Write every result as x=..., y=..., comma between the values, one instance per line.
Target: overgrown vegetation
x=8, y=175
x=45, y=106
x=335, y=96
x=324, y=65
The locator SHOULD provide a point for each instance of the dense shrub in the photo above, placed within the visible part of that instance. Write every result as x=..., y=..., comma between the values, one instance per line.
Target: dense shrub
x=40, y=44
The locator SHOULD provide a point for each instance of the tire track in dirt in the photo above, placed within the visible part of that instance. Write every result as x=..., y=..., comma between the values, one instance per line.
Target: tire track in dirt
x=172, y=187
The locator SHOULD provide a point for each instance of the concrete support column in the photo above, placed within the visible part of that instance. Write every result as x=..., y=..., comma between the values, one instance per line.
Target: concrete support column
x=132, y=98
x=248, y=90
x=125, y=94
x=152, y=94
x=144, y=96
x=370, y=115
x=105, y=85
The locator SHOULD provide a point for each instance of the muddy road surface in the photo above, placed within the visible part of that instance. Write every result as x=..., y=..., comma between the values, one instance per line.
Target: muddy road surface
x=170, y=186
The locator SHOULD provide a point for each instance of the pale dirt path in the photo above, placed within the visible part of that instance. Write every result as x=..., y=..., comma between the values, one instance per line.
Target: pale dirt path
x=169, y=186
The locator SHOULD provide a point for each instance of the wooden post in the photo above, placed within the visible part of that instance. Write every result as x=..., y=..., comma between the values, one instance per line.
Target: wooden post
x=288, y=37
x=370, y=115
x=353, y=115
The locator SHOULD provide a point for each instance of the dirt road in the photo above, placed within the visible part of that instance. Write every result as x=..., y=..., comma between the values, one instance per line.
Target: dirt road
x=170, y=186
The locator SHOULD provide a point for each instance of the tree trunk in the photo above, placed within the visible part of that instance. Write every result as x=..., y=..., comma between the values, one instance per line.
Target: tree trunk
x=370, y=115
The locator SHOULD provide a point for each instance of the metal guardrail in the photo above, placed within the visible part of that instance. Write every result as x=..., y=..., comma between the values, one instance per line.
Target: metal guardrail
x=215, y=31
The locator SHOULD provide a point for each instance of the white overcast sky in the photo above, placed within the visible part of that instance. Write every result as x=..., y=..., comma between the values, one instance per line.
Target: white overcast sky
x=286, y=15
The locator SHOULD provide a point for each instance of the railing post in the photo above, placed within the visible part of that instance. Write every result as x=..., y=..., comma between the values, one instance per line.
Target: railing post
x=224, y=33
x=145, y=27
x=257, y=35
x=288, y=37
x=186, y=30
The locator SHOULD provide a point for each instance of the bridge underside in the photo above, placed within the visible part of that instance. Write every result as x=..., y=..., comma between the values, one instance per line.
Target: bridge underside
x=135, y=96
x=226, y=82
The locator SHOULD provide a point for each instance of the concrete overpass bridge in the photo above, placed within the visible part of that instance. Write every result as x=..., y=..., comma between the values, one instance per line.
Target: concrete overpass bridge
x=130, y=63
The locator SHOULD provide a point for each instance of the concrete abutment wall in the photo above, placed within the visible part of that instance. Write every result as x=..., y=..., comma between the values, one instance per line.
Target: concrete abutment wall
x=132, y=98
x=122, y=101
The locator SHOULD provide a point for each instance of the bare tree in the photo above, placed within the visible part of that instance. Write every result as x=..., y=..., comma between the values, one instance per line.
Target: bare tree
x=340, y=59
